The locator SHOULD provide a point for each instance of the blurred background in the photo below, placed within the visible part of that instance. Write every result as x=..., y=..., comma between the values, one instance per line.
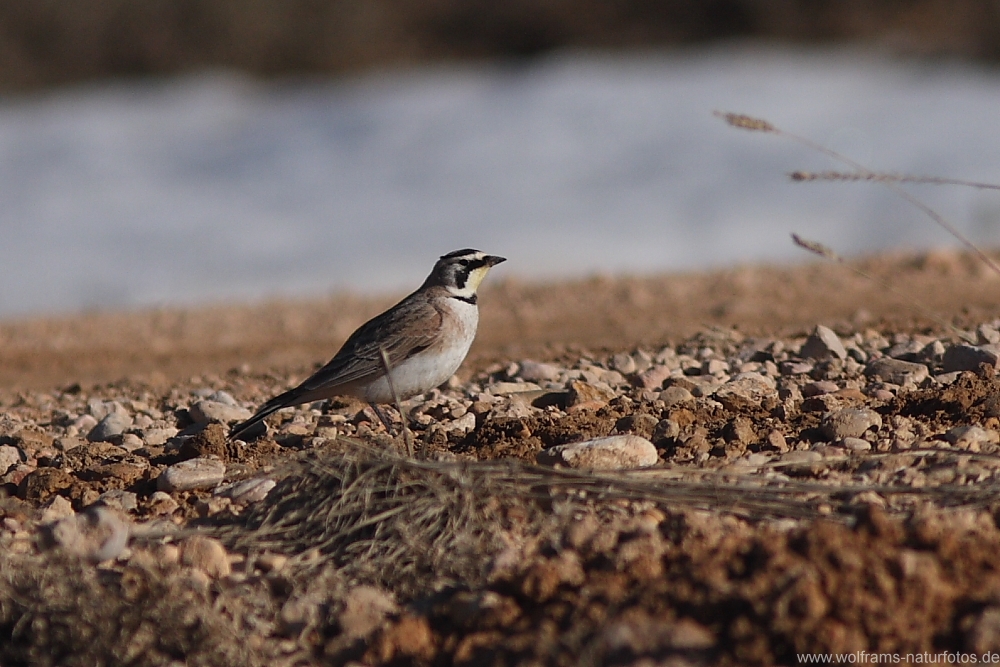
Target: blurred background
x=173, y=152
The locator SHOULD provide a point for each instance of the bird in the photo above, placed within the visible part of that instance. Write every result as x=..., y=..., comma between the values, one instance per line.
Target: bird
x=425, y=337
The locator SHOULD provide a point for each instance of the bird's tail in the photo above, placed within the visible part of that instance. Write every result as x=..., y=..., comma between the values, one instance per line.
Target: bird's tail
x=272, y=406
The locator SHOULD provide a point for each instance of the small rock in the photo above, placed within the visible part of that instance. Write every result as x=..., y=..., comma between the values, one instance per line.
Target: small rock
x=156, y=437
x=84, y=423
x=365, y=610
x=944, y=379
x=114, y=423
x=819, y=388
x=205, y=411
x=246, y=491
x=462, y=425
x=617, y=452
x=199, y=473
x=739, y=430
x=223, y=397
x=969, y=357
x=906, y=350
x=776, y=441
x=714, y=367
x=126, y=501
x=212, y=506
x=856, y=444
x=823, y=343
x=508, y=388
x=57, y=508
x=850, y=423
x=971, y=438
x=795, y=367
x=162, y=503
x=652, y=378
x=743, y=390
x=666, y=429
x=675, y=396
x=68, y=443
x=534, y=371
x=897, y=371
x=99, y=409
x=641, y=424
x=130, y=442
x=987, y=334
x=16, y=474
x=623, y=363
x=207, y=555
x=933, y=352
x=611, y=378
x=10, y=456
x=801, y=457
x=585, y=396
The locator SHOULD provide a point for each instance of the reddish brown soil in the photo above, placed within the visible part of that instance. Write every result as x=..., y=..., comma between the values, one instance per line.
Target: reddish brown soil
x=612, y=576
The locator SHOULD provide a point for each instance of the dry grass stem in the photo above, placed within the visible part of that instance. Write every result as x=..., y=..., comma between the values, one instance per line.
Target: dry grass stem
x=886, y=178
x=862, y=173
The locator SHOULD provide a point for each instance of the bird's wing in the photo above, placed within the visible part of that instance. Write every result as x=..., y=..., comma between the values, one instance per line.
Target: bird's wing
x=408, y=328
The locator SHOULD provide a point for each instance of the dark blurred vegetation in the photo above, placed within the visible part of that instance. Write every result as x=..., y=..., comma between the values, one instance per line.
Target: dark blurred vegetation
x=46, y=42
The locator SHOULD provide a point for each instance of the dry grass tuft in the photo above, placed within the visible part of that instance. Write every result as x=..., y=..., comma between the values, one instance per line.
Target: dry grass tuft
x=406, y=524
x=416, y=526
x=56, y=609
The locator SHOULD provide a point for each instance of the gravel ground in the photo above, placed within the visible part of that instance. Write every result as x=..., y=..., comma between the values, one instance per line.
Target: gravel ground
x=739, y=485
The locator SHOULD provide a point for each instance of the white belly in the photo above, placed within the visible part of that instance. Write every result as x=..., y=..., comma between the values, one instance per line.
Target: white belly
x=433, y=366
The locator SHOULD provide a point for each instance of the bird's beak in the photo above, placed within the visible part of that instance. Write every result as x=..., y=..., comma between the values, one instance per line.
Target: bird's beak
x=493, y=260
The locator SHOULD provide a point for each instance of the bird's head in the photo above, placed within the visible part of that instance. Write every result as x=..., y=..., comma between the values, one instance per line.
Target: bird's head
x=461, y=272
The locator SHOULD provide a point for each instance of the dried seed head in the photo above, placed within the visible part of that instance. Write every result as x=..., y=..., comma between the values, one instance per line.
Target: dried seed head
x=814, y=247
x=746, y=122
x=852, y=176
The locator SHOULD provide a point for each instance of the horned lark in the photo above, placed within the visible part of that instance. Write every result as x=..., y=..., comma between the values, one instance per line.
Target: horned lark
x=425, y=337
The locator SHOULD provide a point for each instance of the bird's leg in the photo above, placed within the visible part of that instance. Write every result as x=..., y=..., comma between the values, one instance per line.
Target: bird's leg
x=383, y=417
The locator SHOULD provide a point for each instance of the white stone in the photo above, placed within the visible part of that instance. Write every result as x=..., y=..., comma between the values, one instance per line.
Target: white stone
x=200, y=473
x=9, y=456
x=534, y=371
x=850, y=423
x=247, y=490
x=114, y=423
x=156, y=437
x=823, y=343
x=617, y=452
x=507, y=388
x=463, y=424
x=971, y=438
x=205, y=411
